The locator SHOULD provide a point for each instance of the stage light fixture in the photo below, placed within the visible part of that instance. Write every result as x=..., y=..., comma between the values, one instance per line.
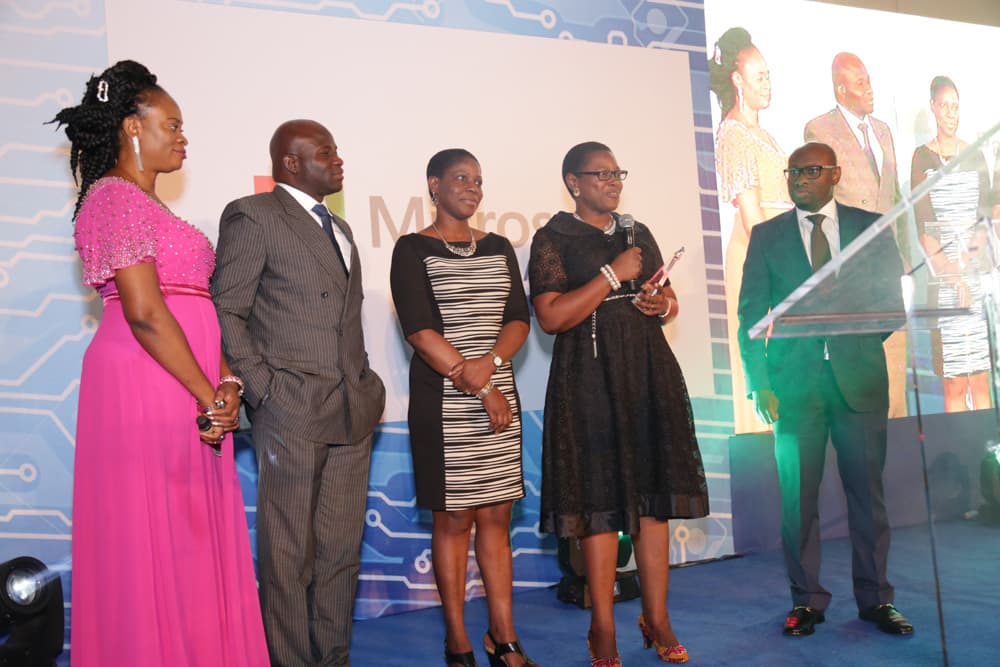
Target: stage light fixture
x=31, y=613
x=573, y=587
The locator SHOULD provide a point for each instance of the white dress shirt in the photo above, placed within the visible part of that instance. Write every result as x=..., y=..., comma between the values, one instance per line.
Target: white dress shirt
x=853, y=122
x=830, y=227
x=307, y=202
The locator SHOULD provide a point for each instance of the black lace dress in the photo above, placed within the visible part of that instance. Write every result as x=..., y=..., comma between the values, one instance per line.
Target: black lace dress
x=618, y=440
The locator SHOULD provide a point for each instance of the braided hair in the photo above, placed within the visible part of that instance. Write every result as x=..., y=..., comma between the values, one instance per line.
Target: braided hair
x=724, y=61
x=93, y=126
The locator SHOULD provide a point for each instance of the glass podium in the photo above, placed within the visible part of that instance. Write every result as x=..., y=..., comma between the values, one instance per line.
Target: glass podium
x=942, y=473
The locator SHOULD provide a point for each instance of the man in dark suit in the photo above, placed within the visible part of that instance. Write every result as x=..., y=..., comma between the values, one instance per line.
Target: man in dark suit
x=815, y=389
x=287, y=286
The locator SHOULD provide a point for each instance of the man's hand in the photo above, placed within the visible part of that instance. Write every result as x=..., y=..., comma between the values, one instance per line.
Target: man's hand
x=766, y=405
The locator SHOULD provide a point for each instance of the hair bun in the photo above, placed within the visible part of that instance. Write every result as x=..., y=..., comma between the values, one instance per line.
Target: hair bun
x=722, y=64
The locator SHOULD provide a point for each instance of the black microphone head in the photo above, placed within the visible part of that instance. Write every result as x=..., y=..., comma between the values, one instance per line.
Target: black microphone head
x=626, y=221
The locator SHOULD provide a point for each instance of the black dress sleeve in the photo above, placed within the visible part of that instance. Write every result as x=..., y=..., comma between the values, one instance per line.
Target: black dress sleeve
x=411, y=289
x=546, y=272
x=517, y=304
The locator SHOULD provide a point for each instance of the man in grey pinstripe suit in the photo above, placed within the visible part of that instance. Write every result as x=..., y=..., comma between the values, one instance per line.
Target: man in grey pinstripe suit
x=287, y=286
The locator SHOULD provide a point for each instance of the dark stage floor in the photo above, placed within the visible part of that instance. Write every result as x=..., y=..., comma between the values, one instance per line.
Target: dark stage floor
x=730, y=613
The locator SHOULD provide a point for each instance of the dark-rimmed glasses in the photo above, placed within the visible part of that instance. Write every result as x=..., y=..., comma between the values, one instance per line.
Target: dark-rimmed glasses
x=606, y=174
x=812, y=172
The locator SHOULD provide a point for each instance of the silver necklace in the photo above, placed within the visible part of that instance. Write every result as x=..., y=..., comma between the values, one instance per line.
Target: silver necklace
x=940, y=151
x=608, y=229
x=468, y=251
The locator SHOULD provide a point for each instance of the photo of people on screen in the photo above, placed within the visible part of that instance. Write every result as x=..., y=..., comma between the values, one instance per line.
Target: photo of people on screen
x=748, y=164
x=946, y=227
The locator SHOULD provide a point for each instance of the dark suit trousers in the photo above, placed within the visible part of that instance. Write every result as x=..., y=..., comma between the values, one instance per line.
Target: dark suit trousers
x=311, y=500
x=806, y=422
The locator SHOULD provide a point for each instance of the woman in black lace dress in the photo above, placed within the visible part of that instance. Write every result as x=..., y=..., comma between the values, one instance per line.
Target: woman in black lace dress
x=619, y=451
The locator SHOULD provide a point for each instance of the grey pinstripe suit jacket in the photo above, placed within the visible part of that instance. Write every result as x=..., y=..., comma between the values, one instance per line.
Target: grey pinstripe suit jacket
x=291, y=320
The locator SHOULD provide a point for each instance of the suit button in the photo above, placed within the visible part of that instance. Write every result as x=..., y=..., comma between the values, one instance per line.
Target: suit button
x=325, y=294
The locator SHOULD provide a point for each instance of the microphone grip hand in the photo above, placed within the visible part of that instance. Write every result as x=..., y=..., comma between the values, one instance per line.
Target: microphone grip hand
x=628, y=265
x=630, y=285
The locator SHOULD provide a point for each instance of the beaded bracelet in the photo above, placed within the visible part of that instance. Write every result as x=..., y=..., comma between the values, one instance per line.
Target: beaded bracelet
x=612, y=279
x=485, y=391
x=235, y=379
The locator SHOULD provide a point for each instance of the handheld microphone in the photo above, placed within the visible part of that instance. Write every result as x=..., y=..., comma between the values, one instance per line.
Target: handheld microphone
x=627, y=223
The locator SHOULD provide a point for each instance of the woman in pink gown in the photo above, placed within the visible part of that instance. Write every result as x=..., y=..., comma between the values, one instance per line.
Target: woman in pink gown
x=162, y=570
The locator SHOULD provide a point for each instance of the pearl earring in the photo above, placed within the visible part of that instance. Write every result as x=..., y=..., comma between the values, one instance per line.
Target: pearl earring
x=135, y=148
x=576, y=192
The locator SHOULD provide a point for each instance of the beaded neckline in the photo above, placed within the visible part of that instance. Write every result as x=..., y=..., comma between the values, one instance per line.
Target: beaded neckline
x=104, y=179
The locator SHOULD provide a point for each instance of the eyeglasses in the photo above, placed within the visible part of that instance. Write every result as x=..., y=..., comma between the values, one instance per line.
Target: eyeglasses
x=606, y=175
x=812, y=172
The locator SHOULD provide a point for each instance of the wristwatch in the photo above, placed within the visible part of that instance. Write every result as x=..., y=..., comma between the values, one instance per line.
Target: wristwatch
x=497, y=361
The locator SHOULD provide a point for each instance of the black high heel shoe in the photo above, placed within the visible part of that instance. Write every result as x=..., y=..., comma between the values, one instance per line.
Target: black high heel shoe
x=467, y=659
x=501, y=649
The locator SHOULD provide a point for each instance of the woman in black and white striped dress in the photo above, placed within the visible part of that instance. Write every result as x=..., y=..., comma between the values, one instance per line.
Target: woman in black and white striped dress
x=946, y=224
x=461, y=303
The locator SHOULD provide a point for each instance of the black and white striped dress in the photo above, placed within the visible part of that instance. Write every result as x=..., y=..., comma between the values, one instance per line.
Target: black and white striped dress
x=457, y=462
x=961, y=344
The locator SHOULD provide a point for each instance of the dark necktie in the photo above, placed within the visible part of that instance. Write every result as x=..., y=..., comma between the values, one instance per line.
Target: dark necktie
x=327, y=220
x=869, y=153
x=819, y=246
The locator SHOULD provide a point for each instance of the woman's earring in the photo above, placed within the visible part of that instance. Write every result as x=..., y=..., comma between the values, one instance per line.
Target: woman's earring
x=739, y=97
x=434, y=197
x=135, y=148
x=576, y=192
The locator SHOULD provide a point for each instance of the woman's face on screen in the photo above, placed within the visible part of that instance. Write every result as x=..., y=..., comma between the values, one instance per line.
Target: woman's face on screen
x=754, y=78
x=944, y=106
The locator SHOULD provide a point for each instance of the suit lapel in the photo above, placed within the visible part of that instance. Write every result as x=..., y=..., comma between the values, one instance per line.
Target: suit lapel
x=791, y=250
x=848, y=139
x=312, y=235
x=849, y=226
x=881, y=131
x=355, y=263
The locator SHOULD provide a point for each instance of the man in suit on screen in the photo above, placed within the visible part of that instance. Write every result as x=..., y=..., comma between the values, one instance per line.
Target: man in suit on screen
x=867, y=158
x=815, y=389
x=287, y=286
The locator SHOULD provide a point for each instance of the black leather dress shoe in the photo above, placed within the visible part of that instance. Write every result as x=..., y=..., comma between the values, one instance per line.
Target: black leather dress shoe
x=887, y=618
x=801, y=621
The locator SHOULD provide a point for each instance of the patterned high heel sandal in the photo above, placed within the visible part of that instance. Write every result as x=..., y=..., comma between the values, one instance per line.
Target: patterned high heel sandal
x=615, y=661
x=675, y=654
x=501, y=649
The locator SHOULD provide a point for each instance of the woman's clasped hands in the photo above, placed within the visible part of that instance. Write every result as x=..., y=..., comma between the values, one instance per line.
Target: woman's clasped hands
x=472, y=377
x=223, y=414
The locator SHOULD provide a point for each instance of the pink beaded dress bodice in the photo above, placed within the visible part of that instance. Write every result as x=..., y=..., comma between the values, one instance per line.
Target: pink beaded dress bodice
x=119, y=225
